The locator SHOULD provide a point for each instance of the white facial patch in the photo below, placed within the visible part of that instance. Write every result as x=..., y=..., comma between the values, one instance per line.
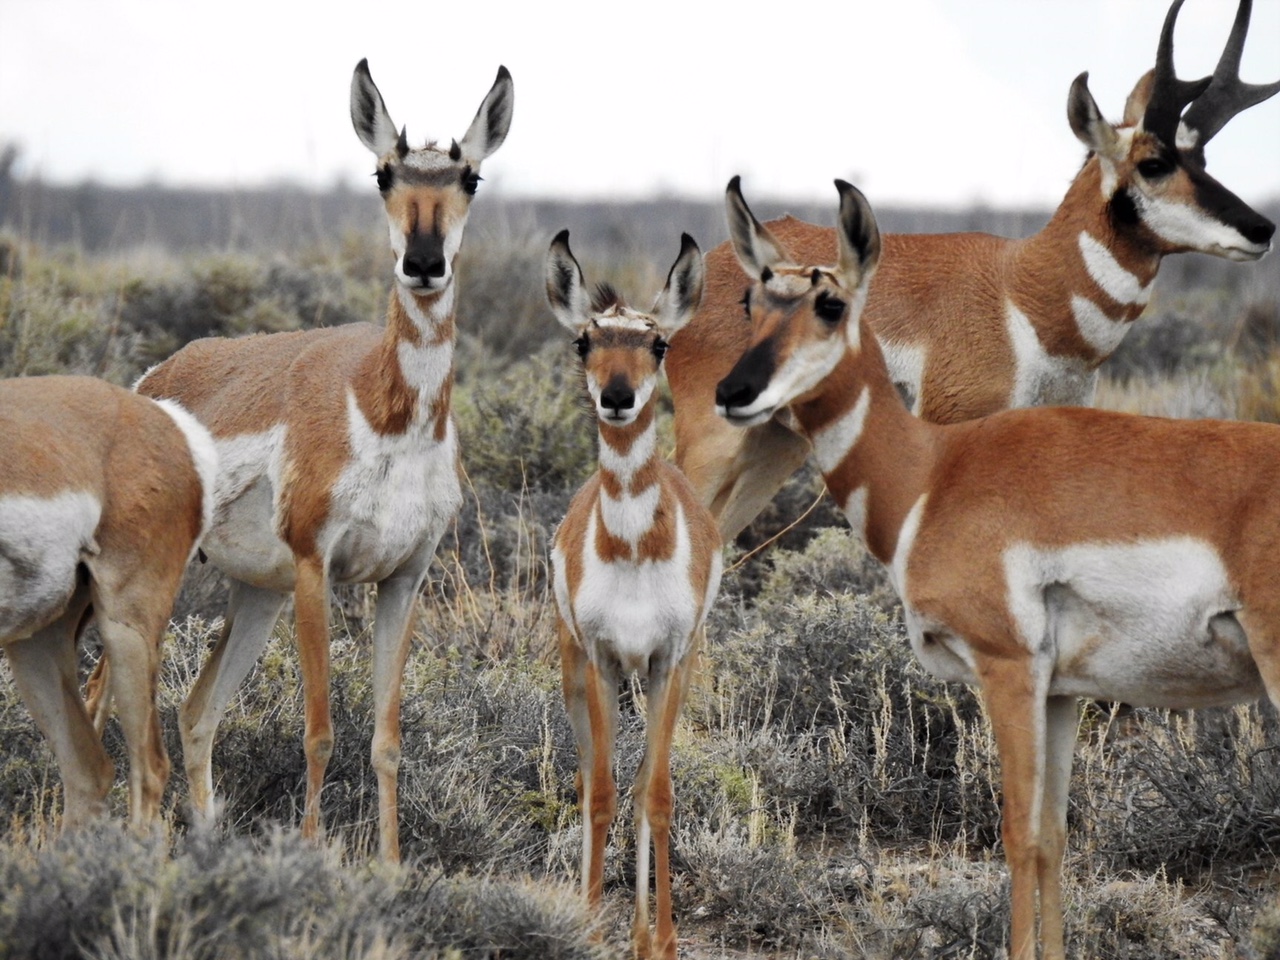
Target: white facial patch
x=204, y=456
x=833, y=443
x=625, y=320
x=42, y=541
x=1184, y=225
x=451, y=245
x=428, y=158
x=807, y=367
x=1114, y=280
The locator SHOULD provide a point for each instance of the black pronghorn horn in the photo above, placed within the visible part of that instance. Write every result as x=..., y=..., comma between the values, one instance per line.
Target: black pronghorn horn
x=1227, y=94
x=1169, y=95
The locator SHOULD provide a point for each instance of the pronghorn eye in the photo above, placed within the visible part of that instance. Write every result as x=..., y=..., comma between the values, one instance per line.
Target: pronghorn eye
x=830, y=309
x=583, y=346
x=386, y=177
x=660, y=348
x=470, y=182
x=1153, y=168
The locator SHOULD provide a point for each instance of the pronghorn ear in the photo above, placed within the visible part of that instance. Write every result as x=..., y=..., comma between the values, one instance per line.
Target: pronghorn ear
x=566, y=291
x=369, y=114
x=1087, y=122
x=1136, y=106
x=859, y=237
x=756, y=247
x=492, y=120
x=679, y=299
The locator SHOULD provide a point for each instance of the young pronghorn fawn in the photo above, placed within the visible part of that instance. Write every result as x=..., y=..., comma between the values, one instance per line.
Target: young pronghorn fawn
x=103, y=498
x=970, y=323
x=1043, y=554
x=636, y=567
x=339, y=458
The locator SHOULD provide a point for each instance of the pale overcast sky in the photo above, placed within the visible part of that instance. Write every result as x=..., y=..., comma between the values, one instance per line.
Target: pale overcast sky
x=917, y=101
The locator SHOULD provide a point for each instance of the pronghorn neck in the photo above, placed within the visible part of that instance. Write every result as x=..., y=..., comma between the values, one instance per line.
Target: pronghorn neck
x=1087, y=275
x=874, y=455
x=628, y=472
x=413, y=383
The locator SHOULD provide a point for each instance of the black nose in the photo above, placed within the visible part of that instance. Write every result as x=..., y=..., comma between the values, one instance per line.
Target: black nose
x=424, y=256
x=1259, y=232
x=735, y=392
x=617, y=396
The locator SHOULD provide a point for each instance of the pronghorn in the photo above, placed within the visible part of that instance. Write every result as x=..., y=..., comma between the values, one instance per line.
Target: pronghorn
x=636, y=566
x=1043, y=554
x=103, y=498
x=971, y=323
x=339, y=458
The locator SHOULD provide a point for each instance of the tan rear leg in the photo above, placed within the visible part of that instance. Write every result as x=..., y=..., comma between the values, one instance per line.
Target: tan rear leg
x=44, y=671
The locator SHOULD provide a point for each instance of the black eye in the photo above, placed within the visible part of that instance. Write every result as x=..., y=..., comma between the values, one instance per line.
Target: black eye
x=1153, y=168
x=470, y=181
x=660, y=348
x=386, y=177
x=583, y=346
x=828, y=308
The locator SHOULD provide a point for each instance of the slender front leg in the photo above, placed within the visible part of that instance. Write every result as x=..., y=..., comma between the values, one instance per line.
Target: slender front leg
x=573, y=672
x=1015, y=703
x=654, y=801
x=311, y=602
x=392, y=637
x=602, y=711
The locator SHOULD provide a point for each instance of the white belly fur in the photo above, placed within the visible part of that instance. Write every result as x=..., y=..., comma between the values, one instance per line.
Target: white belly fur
x=1149, y=623
x=389, y=506
x=42, y=541
x=624, y=612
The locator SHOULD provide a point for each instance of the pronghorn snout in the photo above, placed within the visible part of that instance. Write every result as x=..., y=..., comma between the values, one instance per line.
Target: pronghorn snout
x=738, y=394
x=424, y=263
x=617, y=398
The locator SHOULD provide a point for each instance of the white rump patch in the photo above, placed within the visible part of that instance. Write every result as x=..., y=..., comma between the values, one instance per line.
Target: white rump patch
x=42, y=541
x=1114, y=280
x=204, y=455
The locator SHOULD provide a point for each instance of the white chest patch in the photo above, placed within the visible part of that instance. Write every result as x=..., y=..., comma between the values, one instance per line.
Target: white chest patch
x=1100, y=331
x=1149, y=623
x=398, y=493
x=1105, y=270
x=833, y=443
x=1039, y=378
x=906, y=369
x=626, y=612
x=42, y=541
x=630, y=516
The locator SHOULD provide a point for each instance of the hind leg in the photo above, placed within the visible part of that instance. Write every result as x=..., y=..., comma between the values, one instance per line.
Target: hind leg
x=251, y=614
x=44, y=671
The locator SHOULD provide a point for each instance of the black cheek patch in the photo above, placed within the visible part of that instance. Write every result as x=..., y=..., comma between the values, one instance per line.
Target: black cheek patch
x=1124, y=212
x=749, y=376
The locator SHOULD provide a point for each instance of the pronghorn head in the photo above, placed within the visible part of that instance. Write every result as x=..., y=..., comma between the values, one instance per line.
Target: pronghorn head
x=804, y=319
x=621, y=348
x=1153, y=165
x=427, y=191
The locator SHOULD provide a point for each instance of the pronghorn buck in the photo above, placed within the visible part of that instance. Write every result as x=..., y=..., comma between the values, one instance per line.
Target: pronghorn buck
x=339, y=458
x=636, y=567
x=1043, y=554
x=970, y=323
x=104, y=496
